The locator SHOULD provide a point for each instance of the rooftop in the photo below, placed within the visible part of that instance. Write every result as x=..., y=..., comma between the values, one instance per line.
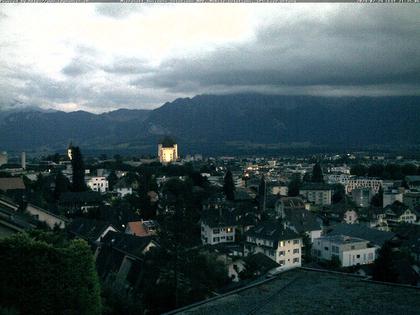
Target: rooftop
x=11, y=183
x=374, y=236
x=272, y=230
x=342, y=239
x=304, y=291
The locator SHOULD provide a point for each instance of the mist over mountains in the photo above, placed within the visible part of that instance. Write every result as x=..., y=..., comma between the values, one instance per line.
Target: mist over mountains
x=223, y=124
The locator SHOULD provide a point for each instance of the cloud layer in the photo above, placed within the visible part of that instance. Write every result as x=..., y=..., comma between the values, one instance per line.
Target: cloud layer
x=108, y=56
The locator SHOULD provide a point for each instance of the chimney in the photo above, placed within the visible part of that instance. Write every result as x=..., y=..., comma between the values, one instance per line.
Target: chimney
x=23, y=160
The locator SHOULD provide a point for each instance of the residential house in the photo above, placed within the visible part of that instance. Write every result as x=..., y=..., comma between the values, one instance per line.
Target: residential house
x=411, y=199
x=123, y=188
x=376, y=237
x=349, y=251
x=390, y=196
x=413, y=182
x=72, y=202
x=289, y=203
x=98, y=183
x=363, y=182
x=90, y=230
x=317, y=193
x=142, y=228
x=362, y=196
x=302, y=222
x=52, y=220
x=12, y=222
x=11, y=183
x=277, y=242
x=398, y=213
x=122, y=255
x=218, y=226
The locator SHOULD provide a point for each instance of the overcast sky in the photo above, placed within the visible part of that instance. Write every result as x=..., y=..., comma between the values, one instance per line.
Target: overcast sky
x=100, y=57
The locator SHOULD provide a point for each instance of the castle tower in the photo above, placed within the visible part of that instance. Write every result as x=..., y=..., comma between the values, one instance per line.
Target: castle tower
x=167, y=150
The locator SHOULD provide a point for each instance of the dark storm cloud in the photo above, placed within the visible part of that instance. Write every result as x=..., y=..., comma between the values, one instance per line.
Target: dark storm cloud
x=354, y=48
x=76, y=68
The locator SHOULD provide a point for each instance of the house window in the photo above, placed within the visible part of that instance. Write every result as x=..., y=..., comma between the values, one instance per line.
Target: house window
x=334, y=249
x=216, y=239
x=229, y=230
x=325, y=248
x=229, y=238
x=370, y=256
x=282, y=253
x=216, y=231
x=357, y=256
x=296, y=251
x=281, y=243
x=295, y=241
x=295, y=260
x=281, y=262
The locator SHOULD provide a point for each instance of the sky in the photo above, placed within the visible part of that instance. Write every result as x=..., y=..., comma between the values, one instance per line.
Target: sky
x=101, y=57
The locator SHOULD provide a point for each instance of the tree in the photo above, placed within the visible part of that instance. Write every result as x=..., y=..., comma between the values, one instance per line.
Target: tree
x=61, y=185
x=262, y=194
x=339, y=193
x=377, y=200
x=376, y=170
x=317, y=175
x=358, y=170
x=48, y=276
x=78, y=167
x=294, y=185
x=383, y=269
x=229, y=186
x=112, y=180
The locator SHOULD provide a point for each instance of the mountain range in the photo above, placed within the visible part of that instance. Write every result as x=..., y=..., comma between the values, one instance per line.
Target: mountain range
x=223, y=124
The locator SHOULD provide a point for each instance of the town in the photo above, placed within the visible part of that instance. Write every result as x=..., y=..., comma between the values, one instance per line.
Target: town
x=179, y=233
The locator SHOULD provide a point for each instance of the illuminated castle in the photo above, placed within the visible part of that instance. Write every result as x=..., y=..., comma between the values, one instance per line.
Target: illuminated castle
x=167, y=150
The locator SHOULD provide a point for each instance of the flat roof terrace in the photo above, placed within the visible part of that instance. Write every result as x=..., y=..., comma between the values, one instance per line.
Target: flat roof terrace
x=305, y=291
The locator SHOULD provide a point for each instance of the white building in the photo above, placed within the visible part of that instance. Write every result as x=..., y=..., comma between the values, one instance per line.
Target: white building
x=218, y=226
x=343, y=169
x=362, y=196
x=281, y=190
x=276, y=242
x=349, y=251
x=337, y=178
x=391, y=196
x=122, y=188
x=98, y=183
x=360, y=182
x=318, y=194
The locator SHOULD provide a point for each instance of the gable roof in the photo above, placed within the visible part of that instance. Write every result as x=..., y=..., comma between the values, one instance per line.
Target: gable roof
x=302, y=220
x=262, y=262
x=88, y=229
x=81, y=197
x=128, y=244
x=138, y=229
x=374, y=236
x=292, y=202
x=219, y=217
x=316, y=186
x=272, y=230
x=11, y=183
